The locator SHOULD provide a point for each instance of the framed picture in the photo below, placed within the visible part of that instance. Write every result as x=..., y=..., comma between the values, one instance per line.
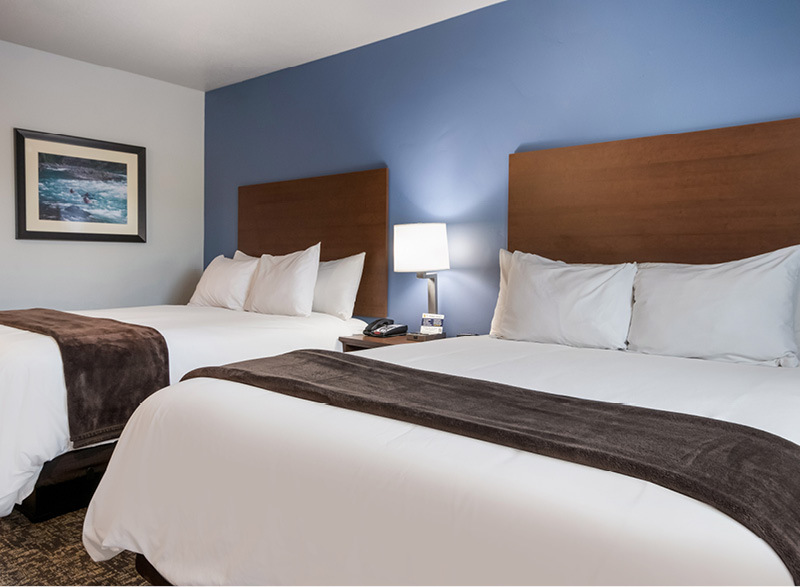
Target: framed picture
x=70, y=188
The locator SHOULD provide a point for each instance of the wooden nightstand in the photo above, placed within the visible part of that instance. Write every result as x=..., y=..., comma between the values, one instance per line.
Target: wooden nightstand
x=360, y=342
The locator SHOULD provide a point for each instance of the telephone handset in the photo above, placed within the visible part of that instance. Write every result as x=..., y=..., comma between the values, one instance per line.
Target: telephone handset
x=383, y=327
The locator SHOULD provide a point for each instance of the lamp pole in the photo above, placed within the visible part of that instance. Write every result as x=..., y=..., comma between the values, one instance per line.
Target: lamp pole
x=433, y=290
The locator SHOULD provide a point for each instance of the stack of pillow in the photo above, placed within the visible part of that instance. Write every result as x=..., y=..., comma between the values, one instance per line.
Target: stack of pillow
x=742, y=311
x=292, y=285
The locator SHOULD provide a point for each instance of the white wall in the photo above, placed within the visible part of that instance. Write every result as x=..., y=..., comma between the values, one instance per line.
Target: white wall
x=47, y=93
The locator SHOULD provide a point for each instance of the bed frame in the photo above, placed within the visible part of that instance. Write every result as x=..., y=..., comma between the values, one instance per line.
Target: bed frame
x=67, y=482
x=347, y=212
x=700, y=197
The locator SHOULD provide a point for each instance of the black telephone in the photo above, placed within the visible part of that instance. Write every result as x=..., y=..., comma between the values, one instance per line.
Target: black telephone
x=383, y=327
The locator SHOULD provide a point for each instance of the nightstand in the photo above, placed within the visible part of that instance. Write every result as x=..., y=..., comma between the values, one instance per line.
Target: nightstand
x=359, y=342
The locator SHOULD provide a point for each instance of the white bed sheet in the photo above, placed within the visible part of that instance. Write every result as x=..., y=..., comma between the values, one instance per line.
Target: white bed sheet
x=33, y=412
x=221, y=483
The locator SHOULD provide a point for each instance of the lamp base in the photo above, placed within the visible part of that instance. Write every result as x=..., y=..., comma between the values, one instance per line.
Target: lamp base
x=418, y=336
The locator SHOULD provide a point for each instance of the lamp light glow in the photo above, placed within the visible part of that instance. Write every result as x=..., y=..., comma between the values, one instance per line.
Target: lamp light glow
x=421, y=248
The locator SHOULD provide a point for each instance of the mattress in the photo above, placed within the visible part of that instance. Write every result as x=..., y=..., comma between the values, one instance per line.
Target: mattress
x=220, y=483
x=33, y=416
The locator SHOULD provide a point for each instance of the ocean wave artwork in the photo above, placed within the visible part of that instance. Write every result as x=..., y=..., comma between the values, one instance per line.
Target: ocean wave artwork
x=75, y=189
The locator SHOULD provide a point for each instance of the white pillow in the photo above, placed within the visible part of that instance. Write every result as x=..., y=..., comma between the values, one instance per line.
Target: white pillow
x=500, y=308
x=284, y=284
x=797, y=318
x=224, y=284
x=505, y=267
x=337, y=286
x=240, y=256
x=577, y=305
x=740, y=311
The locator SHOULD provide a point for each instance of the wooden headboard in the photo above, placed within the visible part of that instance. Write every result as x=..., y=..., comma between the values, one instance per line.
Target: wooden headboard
x=700, y=197
x=347, y=212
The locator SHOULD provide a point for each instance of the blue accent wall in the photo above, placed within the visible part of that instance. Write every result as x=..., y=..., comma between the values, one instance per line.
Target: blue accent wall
x=443, y=107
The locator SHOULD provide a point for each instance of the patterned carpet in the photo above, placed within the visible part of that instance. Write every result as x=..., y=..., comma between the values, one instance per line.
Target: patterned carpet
x=51, y=553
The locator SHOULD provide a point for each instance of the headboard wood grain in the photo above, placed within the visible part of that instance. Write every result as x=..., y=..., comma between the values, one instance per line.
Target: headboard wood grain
x=347, y=213
x=699, y=197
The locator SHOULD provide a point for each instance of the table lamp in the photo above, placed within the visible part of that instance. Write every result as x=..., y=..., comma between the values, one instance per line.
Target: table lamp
x=421, y=248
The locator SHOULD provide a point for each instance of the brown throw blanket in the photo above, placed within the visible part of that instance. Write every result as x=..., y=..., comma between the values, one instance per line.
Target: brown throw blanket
x=109, y=367
x=750, y=475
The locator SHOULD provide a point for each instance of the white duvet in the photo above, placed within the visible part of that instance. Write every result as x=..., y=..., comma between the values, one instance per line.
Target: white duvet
x=220, y=483
x=33, y=416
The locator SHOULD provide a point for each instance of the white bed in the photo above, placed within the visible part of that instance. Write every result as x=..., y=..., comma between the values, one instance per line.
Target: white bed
x=277, y=490
x=218, y=482
x=33, y=416
x=281, y=278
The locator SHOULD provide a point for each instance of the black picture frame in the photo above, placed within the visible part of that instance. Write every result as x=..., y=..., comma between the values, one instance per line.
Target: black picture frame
x=73, y=188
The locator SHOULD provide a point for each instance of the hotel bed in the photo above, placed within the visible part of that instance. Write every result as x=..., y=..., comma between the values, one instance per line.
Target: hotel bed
x=271, y=489
x=33, y=421
x=219, y=482
x=34, y=427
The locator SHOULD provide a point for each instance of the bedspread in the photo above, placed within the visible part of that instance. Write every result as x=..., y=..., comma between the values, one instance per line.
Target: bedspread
x=222, y=483
x=751, y=475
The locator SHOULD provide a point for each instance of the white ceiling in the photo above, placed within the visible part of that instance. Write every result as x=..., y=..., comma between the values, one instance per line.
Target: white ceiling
x=206, y=44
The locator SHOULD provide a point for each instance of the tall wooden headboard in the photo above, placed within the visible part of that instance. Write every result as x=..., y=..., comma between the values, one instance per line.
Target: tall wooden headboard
x=347, y=213
x=700, y=197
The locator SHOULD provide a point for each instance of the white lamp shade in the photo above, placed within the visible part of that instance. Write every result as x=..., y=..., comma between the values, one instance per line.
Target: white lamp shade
x=420, y=247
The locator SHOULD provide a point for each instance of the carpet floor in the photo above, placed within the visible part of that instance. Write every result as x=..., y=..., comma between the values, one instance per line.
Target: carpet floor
x=51, y=553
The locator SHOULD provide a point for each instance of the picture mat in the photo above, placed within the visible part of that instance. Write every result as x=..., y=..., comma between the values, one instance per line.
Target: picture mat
x=33, y=223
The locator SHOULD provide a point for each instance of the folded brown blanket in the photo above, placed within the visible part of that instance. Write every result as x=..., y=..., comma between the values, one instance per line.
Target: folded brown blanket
x=750, y=475
x=109, y=367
